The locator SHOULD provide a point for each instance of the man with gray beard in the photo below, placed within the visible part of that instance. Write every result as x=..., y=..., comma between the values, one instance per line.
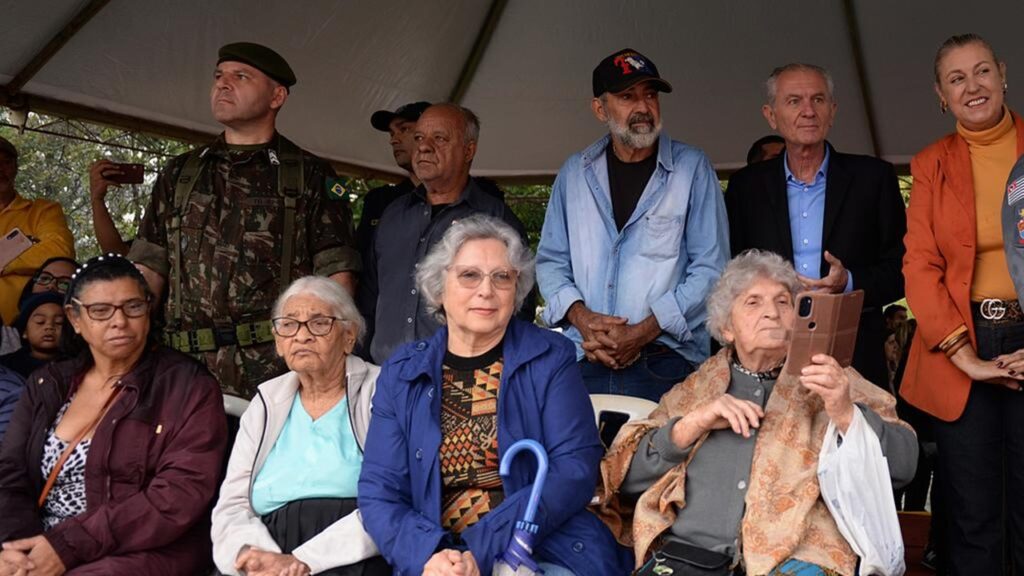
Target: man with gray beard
x=634, y=238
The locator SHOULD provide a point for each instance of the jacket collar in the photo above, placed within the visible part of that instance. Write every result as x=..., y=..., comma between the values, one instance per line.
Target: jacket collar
x=956, y=156
x=471, y=195
x=68, y=373
x=426, y=357
x=18, y=203
x=597, y=150
x=283, y=388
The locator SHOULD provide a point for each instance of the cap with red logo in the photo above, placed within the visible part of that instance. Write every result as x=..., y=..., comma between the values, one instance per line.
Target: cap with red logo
x=623, y=69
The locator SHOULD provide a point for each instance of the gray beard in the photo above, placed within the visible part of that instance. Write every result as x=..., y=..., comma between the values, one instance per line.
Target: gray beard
x=631, y=138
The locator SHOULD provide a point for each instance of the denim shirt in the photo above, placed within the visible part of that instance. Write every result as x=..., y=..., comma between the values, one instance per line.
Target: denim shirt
x=665, y=260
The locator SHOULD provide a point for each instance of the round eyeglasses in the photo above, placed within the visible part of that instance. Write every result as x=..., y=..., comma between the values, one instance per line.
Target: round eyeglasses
x=134, y=308
x=319, y=326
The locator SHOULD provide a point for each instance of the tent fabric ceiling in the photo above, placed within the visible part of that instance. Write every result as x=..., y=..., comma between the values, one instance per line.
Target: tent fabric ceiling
x=153, y=61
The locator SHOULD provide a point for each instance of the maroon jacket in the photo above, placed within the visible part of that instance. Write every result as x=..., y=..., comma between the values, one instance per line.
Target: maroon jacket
x=151, y=473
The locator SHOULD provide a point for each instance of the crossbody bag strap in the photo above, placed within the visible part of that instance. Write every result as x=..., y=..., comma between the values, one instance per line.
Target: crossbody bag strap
x=52, y=478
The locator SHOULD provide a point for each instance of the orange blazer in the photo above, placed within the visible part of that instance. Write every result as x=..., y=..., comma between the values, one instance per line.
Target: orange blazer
x=939, y=268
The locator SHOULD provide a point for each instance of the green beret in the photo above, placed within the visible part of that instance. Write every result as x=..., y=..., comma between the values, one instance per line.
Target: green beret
x=259, y=57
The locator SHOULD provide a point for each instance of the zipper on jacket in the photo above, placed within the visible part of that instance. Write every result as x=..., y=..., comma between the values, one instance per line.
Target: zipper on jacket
x=259, y=446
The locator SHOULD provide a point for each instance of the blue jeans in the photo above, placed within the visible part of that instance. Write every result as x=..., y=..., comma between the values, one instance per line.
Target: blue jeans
x=658, y=369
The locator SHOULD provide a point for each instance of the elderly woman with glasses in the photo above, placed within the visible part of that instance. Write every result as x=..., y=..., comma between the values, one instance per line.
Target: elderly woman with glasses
x=288, y=503
x=448, y=408
x=111, y=458
x=724, y=470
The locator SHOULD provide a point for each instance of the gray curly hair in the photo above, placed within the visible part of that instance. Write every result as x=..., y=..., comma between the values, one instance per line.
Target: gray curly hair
x=430, y=272
x=329, y=292
x=739, y=275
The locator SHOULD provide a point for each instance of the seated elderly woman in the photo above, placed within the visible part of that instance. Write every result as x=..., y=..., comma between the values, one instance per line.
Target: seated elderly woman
x=110, y=462
x=288, y=503
x=723, y=472
x=447, y=408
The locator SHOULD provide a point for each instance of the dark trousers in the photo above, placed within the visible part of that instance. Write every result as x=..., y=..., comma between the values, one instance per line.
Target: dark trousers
x=658, y=369
x=981, y=469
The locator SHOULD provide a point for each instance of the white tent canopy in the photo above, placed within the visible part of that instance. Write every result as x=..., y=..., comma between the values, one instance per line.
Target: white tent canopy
x=524, y=66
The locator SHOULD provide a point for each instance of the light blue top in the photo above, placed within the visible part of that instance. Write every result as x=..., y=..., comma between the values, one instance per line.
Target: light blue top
x=664, y=261
x=807, y=220
x=310, y=459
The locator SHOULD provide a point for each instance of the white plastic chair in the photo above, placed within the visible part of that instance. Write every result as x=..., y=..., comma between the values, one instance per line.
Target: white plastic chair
x=635, y=408
x=235, y=406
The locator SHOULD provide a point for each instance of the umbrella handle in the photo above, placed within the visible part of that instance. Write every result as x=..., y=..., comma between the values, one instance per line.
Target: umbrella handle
x=542, y=471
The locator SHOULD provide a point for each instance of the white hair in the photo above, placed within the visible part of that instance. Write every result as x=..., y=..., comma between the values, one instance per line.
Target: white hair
x=771, y=84
x=329, y=292
x=430, y=272
x=739, y=275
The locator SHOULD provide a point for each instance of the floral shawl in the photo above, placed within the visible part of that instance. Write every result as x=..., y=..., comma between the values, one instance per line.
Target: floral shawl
x=785, y=517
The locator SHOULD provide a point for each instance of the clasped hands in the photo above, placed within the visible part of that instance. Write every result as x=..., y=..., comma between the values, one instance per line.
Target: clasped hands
x=30, y=557
x=253, y=561
x=611, y=340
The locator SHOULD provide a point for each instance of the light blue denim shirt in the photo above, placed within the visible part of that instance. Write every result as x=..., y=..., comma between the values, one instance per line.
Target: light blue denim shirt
x=665, y=260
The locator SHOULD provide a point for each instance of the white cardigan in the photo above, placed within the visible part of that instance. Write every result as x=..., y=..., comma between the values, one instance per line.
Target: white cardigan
x=235, y=524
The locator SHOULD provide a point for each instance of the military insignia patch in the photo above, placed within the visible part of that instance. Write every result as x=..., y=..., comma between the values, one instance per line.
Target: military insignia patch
x=337, y=188
x=1020, y=228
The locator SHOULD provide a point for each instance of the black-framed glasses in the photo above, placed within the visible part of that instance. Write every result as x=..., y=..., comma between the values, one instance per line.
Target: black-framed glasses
x=134, y=308
x=319, y=326
x=58, y=283
x=471, y=277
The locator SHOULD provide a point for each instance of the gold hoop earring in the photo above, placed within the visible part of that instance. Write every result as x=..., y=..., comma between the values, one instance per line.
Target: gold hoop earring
x=943, y=106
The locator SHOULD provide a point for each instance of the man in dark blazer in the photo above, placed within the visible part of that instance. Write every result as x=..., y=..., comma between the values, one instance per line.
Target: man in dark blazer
x=838, y=217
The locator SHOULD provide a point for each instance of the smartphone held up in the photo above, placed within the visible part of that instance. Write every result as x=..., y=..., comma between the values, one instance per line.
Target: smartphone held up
x=825, y=324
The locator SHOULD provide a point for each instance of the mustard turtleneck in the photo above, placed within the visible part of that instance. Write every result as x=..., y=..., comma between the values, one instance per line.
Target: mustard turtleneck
x=993, y=154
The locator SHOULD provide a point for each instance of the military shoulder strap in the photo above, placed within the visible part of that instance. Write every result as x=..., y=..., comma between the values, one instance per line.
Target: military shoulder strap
x=290, y=182
x=186, y=182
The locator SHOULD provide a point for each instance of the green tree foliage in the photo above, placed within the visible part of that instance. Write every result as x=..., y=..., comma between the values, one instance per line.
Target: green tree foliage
x=53, y=163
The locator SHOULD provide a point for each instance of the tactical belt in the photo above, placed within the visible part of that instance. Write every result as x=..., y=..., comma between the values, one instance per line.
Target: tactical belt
x=210, y=339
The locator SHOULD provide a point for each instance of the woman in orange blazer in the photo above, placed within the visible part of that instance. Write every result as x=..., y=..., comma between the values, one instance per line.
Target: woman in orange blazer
x=969, y=320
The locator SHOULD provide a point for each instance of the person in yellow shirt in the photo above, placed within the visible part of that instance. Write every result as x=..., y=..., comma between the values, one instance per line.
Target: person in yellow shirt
x=41, y=220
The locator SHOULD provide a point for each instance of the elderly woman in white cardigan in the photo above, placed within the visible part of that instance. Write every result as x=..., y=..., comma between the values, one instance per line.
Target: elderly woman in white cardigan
x=288, y=503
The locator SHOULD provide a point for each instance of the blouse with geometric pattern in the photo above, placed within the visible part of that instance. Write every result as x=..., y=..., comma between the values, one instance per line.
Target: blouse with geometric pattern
x=471, y=485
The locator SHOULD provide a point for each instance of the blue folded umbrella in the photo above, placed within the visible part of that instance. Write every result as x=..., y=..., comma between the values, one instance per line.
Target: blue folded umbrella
x=517, y=559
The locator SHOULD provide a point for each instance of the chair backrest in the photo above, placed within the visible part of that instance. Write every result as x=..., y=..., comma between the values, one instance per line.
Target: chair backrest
x=635, y=408
x=235, y=406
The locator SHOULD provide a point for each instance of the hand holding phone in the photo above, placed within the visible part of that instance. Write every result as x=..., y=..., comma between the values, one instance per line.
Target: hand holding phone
x=125, y=173
x=13, y=244
x=824, y=324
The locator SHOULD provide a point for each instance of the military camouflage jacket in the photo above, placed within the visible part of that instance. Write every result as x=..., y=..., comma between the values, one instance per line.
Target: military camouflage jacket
x=231, y=233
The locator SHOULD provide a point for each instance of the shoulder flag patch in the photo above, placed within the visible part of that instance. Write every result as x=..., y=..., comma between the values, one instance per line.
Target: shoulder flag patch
x=337, y=188
x=1015, y=191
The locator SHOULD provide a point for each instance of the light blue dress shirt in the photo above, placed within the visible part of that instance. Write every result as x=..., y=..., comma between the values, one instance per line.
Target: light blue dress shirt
x=807, y=220
x=663, y=262
x=311, y=459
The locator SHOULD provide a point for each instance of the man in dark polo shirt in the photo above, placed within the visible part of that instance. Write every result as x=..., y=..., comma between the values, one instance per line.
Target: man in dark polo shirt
x=446, y=140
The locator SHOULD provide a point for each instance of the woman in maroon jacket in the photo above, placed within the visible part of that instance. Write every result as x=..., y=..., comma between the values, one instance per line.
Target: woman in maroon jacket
x=111, y=459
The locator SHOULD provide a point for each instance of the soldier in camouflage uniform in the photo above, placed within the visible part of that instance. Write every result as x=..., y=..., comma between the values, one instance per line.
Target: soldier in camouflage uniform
x=231, y=224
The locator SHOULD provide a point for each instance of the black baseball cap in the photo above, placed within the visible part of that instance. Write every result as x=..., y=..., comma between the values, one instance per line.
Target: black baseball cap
x=624, y=69
x=261, y=58
x=381, y=119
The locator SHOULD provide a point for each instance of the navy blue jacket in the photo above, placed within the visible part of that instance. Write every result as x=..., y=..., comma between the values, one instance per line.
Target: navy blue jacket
x=542, y=397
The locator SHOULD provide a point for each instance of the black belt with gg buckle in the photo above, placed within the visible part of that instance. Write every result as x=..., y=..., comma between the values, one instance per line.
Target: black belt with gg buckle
x=995, y=312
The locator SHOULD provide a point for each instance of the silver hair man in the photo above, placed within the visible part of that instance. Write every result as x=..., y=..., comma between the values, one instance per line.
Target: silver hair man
x=771, y=83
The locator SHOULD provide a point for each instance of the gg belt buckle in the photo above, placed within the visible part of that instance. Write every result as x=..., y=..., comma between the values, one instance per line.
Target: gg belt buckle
x=993, y=309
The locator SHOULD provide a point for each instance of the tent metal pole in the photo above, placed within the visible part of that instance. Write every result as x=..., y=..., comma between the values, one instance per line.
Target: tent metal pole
x=54, y=45
x=853, y=30
x=483, y=39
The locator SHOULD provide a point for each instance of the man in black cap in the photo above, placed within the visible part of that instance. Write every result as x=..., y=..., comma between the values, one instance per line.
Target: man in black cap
x=231, y=224
x=634, y=238
x=400, y=124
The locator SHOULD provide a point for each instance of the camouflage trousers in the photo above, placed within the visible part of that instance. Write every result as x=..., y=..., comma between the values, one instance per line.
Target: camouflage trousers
x=241, y=370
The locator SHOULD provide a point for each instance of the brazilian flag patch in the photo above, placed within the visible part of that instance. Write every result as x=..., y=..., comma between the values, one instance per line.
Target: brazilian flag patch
x=337, y=188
